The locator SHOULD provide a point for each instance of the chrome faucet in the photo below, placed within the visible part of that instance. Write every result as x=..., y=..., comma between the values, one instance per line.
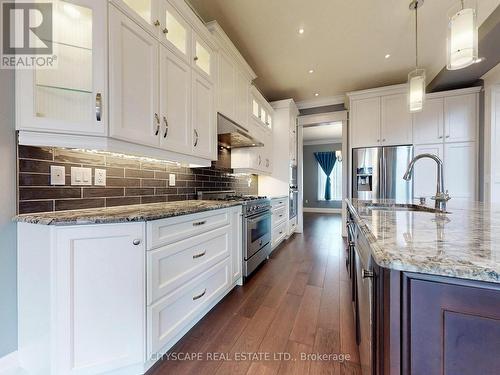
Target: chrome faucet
x=441, y=196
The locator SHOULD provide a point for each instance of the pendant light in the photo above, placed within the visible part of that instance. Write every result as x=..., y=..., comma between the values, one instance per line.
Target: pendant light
x=462, y=35
x=416, y=78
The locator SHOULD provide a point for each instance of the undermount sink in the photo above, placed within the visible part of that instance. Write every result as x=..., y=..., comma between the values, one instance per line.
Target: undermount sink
x=403, y=207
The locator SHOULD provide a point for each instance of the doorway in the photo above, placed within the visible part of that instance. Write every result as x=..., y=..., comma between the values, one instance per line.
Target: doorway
x=323, y=135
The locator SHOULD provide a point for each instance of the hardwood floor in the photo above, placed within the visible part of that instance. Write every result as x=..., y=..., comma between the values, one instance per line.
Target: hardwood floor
x=297, y=303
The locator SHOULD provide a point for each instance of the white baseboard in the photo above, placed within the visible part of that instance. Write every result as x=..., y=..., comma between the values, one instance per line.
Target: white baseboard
x=9, y=362
x=321, y=210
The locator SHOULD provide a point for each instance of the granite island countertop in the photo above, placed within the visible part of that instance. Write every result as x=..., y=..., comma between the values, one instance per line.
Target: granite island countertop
x=463, y=243
x=123, y=214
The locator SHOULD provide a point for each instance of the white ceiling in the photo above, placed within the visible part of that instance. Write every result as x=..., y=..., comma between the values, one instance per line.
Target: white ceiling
x=327, y=133
x=344, y=41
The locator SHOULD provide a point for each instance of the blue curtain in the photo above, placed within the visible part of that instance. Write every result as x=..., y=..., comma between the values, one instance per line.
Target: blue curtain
x=326, y=160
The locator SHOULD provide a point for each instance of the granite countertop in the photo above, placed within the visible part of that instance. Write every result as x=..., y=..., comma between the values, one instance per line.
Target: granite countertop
x=463, y=243
x=122, y=214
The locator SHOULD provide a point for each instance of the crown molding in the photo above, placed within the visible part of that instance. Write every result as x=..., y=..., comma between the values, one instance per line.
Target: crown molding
x=321, y=102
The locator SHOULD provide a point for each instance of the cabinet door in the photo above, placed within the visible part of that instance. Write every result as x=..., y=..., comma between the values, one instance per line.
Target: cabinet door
x=133, y=82
x=175, y=102
x=145, y=12
x=100, y=297
x=70, y=97
x=365, y=122
x=203, y=120
x=226, y=90
x=460, y=170
x=428, y=124
x=175, y=31
x=396, y=120
x=460, y=118
x=241, y=105
x=202, y=57
x=236, y=243
x=425, y=172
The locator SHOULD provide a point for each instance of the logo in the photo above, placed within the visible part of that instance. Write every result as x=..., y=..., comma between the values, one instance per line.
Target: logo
x=27, y=35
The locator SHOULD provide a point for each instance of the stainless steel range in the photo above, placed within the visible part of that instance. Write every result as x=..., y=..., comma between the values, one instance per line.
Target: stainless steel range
x=256, y=226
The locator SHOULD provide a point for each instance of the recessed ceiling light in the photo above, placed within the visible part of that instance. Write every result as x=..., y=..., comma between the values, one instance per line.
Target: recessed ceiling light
x=316, y=94
x=387, y=56
x=301, y=30
x=311, y=71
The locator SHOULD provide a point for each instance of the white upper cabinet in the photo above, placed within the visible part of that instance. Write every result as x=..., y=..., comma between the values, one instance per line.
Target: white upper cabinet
x=203, y=118
x=133, y=81
x=144, y=12
x=226, y=86
x=428, y=124
x=72, y=96
x=365, y=122
x=460, y=170
x=175, y=31
x=202, y=57
x=175, y=102
x=396, y=120
x=460, y=118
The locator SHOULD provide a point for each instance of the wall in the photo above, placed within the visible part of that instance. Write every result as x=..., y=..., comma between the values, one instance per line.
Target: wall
x=492, y=135
x=8, y=249
x=129, y=180
x=311, y=176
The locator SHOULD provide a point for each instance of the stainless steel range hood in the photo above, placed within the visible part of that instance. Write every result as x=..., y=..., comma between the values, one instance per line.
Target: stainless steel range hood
x=232, y=135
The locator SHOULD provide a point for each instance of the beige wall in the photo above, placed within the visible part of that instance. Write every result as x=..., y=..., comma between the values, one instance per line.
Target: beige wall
x=492, y=135
x=8, y=249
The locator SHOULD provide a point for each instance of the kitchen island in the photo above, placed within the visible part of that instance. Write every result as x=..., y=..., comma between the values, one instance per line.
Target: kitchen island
x=425, y=287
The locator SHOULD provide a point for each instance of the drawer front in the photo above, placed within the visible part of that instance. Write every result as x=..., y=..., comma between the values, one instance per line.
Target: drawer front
x=279, y=233
x=276, y=202
x=170, y=315
x=173, y=265
x=166, y=231
x=279, y=216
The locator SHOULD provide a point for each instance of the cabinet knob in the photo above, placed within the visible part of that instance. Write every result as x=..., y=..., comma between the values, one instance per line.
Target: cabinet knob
x=136, y=242
x=447, y=136
x=378, y=140
x=440, y=137
x=165, y=31
x=156, y=23
x=383, y=140
x=195, y=58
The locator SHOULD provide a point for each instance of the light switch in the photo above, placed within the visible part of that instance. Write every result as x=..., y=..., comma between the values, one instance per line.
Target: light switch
x=100, y=177
x=81, y=176
x=57, y=175
x=171, y=179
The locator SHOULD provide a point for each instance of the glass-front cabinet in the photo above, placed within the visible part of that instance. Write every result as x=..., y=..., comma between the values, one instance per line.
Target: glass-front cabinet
x=175, y=31
x=145, y=12
x=70, y=96
x=202, y=57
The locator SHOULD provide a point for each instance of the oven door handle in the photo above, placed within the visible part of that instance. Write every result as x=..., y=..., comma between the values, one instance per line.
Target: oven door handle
x=256, y=219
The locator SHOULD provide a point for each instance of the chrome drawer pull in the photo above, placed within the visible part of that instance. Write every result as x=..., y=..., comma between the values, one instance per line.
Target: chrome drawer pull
x=199, y=295
x=198, y=223
x=195, y=256
x=98, y=106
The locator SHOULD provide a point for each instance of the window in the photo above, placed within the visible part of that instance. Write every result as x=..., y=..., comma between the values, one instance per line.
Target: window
x=336, y=182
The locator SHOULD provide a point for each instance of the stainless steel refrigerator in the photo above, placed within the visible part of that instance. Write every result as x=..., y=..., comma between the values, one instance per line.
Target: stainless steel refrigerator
x=378, y=173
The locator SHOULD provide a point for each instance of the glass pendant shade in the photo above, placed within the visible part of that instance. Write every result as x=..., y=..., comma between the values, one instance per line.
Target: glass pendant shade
x=462, y=35
x=416, y=90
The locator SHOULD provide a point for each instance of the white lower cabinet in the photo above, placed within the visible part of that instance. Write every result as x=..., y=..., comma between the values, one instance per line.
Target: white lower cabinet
x=81, y=298
x=169, y=317
x=89, y=303
x=279, y=220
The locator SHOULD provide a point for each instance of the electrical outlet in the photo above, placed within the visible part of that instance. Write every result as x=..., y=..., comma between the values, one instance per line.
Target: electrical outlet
x=81, y=176
x=100, y=177
x=57, y=175
x=171, y=179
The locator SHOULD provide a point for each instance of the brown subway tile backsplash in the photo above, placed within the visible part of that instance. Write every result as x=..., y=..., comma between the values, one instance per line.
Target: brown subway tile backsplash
x=129, y=180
